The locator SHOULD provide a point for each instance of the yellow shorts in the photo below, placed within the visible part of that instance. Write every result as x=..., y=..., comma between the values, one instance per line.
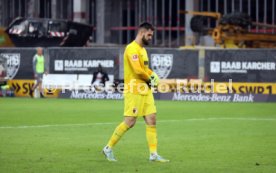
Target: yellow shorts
x=139, y=105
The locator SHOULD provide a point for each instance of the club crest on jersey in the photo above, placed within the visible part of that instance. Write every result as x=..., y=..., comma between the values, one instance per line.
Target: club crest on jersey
x=161, y=64
x=135, y=57
x=13, y=63
x=135, y=110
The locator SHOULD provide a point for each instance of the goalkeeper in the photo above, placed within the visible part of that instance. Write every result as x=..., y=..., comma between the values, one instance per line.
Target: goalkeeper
x=138, y=97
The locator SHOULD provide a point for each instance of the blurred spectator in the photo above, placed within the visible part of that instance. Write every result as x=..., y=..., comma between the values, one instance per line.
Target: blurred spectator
x=39, y=70
x=99, y=77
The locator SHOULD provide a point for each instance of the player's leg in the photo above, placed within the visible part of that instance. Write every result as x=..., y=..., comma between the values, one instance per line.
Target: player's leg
x=40, y=88
x=119, y=131
x=40, y=78
x=151, y=132
x=35, y=85
x=31, y=93
x=130, y=112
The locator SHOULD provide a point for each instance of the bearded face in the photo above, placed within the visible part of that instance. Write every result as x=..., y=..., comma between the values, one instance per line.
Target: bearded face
x=147, y=37
x=145, y=41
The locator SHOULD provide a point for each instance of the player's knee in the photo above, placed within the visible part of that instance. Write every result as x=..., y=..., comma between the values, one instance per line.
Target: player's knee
x=153, y=120
x=130, y=122
x=150, y=120
x=131, y=125
x=151, y=123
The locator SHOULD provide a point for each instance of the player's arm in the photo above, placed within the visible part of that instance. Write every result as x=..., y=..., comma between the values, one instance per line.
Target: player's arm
x=136, y=66
x=149, y=71
x=154, y=79
x=34, y=64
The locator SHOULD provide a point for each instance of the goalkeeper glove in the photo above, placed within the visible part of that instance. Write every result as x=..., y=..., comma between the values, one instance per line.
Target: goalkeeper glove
x=154, y=79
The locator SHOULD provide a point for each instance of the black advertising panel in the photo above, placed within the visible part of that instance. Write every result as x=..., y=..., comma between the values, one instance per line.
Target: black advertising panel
x=19, y=62
x=84, y=60
x=241, y=65
x=174, y=63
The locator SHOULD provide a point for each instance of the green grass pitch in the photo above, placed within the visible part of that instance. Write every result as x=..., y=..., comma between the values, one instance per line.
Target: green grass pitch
x=67, y=136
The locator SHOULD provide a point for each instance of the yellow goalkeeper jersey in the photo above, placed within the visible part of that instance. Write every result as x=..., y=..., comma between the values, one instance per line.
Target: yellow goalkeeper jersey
x=136, y=69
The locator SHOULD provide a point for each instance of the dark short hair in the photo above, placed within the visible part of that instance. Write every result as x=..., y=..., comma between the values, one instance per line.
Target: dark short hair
x=146, y=25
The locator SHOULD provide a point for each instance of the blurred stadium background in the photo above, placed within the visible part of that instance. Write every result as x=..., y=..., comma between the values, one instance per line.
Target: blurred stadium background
x=115, y=21
x=210, y=53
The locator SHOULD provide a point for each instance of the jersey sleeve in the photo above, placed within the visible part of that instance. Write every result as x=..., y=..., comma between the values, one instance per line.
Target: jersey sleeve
x=149, y=71
x=133, y=59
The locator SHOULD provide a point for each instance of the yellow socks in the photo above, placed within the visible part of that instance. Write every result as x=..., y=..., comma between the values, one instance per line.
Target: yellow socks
x=118, y=133
x=123, y=127
x=152, y=138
